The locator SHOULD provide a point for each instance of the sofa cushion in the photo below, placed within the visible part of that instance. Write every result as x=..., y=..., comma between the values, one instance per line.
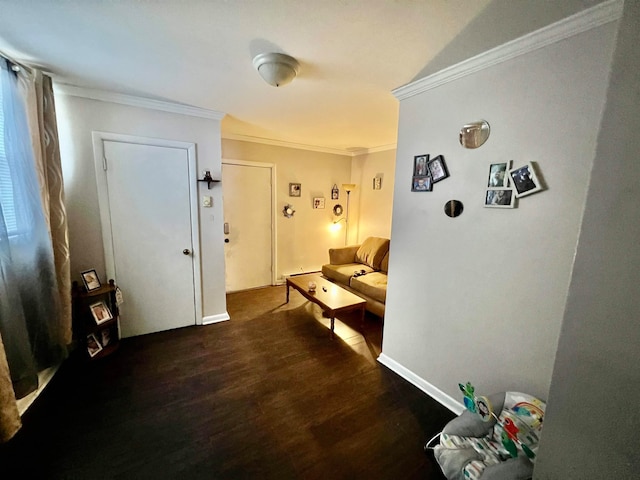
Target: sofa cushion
x=384, y=264
x=372, y=251
x=343, y=273
x=372, y=285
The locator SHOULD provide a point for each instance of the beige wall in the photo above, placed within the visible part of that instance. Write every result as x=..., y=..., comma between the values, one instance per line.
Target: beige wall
x=304, y=240
x=374, y=207
x=77, y=119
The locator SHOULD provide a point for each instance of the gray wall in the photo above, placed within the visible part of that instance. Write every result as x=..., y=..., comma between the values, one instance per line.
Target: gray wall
x=481, y=297
x=592, y=422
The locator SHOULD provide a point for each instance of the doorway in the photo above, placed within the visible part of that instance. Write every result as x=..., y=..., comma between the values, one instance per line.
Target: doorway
x=249, y=222
x=148, y=209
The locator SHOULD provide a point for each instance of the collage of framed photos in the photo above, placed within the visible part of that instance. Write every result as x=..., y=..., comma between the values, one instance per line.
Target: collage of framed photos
x=505, y=184
x=427, y=172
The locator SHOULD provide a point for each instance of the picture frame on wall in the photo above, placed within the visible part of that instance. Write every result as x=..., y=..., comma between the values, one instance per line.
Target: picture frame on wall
x=295, y=189
x=420, y=165
x=499, y=198
x=524, y=180
x=498, y=177
x=90, y=280
x=318, y=203
x=421, y=184
x=438, y=169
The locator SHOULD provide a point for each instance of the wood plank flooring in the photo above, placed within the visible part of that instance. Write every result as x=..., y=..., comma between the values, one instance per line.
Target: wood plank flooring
x=266, y=395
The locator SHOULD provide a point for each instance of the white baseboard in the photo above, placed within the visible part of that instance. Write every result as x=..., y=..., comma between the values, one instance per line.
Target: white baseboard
x=434, y=392
x=221, y=317
x=44, y=377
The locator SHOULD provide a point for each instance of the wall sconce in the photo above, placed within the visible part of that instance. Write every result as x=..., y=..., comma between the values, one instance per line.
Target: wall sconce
x=208, y=178
x=288, y=210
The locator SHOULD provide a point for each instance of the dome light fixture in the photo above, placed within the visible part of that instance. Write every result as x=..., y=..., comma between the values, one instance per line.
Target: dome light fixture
x=277, y=69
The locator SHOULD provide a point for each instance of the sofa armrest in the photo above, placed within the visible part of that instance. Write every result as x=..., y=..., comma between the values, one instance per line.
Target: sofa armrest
x=342, y=255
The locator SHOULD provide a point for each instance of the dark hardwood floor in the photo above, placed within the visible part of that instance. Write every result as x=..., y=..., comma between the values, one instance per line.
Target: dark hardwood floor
x=266, y=395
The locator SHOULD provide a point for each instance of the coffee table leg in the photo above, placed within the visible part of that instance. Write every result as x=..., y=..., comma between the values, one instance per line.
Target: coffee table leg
x=287, y=292
x=333, y=320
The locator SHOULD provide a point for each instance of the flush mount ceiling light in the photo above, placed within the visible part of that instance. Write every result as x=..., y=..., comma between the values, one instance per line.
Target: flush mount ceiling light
x=277, y=69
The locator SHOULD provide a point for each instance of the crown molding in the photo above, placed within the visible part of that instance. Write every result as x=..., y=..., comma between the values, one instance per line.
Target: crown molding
x=580, y=22
x=302, y=146
x=135, y=101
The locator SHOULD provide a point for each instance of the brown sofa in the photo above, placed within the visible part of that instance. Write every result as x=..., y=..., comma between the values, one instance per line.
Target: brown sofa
x=346, y=264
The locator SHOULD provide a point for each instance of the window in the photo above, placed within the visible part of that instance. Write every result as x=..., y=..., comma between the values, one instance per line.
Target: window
x=7, y=198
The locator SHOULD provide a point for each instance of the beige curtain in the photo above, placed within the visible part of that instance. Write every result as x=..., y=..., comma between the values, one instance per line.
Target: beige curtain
x=38, y=92
x=9, y=415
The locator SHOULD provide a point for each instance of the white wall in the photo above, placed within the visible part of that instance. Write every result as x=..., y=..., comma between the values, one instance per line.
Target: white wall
x=591, y=424
x=374, y=207
x=77, y=118
x=303, y=240
x=481, y=297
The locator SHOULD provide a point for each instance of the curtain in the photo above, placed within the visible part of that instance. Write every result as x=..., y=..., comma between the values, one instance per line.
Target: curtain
x=9, y=416
x=41, y=113
x=32, y=324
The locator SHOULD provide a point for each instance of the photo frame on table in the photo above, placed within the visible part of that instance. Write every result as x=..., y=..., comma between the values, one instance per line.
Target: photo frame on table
x=499, y=198
x=93, y=345
x=437, y=169
x=420, y=165
x=295, y=189
x=498, y=177
x=525, y=181
x=100, y=312
x=421, y=184
x=318, y=202
x=90, y=280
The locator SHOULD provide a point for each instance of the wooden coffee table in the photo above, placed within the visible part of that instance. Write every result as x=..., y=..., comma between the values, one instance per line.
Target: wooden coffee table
x=331, y=298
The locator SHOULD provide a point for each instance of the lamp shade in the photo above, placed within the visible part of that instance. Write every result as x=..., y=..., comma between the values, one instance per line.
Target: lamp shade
x=277, y=69
x=348, y=187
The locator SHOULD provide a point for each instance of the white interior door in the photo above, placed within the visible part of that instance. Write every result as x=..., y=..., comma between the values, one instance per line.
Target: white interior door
x=150, y=212
x=248, y=211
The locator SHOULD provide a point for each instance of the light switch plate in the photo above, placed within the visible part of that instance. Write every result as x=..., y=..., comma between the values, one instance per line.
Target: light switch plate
x=207, y=201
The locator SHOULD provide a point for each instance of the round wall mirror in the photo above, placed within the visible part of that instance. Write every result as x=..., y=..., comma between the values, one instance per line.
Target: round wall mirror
x=473, y=135
x=453, y=208
x=337, y=210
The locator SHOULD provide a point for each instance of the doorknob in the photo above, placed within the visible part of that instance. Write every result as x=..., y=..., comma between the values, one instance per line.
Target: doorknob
x=186, y=251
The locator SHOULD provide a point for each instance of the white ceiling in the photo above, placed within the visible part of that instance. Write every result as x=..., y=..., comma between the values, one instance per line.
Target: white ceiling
x=353, y=53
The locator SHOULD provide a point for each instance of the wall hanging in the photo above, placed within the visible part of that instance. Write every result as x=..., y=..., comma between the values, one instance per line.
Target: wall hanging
x=473, y=135
x=318, y=202
x=288, y=211
x=335, y=193
x=295, y=189
x=525, y=181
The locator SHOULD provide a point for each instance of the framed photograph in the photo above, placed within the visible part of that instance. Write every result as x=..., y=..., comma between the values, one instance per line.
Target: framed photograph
x=318, y=202
x=421, y=184
x=377, y=183
x=498, y=177
x=420, y=165
x=295, y=189
x=105, y=336
x=525, y=181
x=93, y=345
x=438, y=169
x=100, y=312
x=499, y=198
x=90, y=280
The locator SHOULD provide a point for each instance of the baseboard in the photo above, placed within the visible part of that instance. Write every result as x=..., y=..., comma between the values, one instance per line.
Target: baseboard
x=221, y=317
x=44, y=377
x=434, y=392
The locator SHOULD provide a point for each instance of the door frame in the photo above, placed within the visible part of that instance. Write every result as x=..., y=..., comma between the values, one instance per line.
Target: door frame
x=105, y=209
x=274, y=236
